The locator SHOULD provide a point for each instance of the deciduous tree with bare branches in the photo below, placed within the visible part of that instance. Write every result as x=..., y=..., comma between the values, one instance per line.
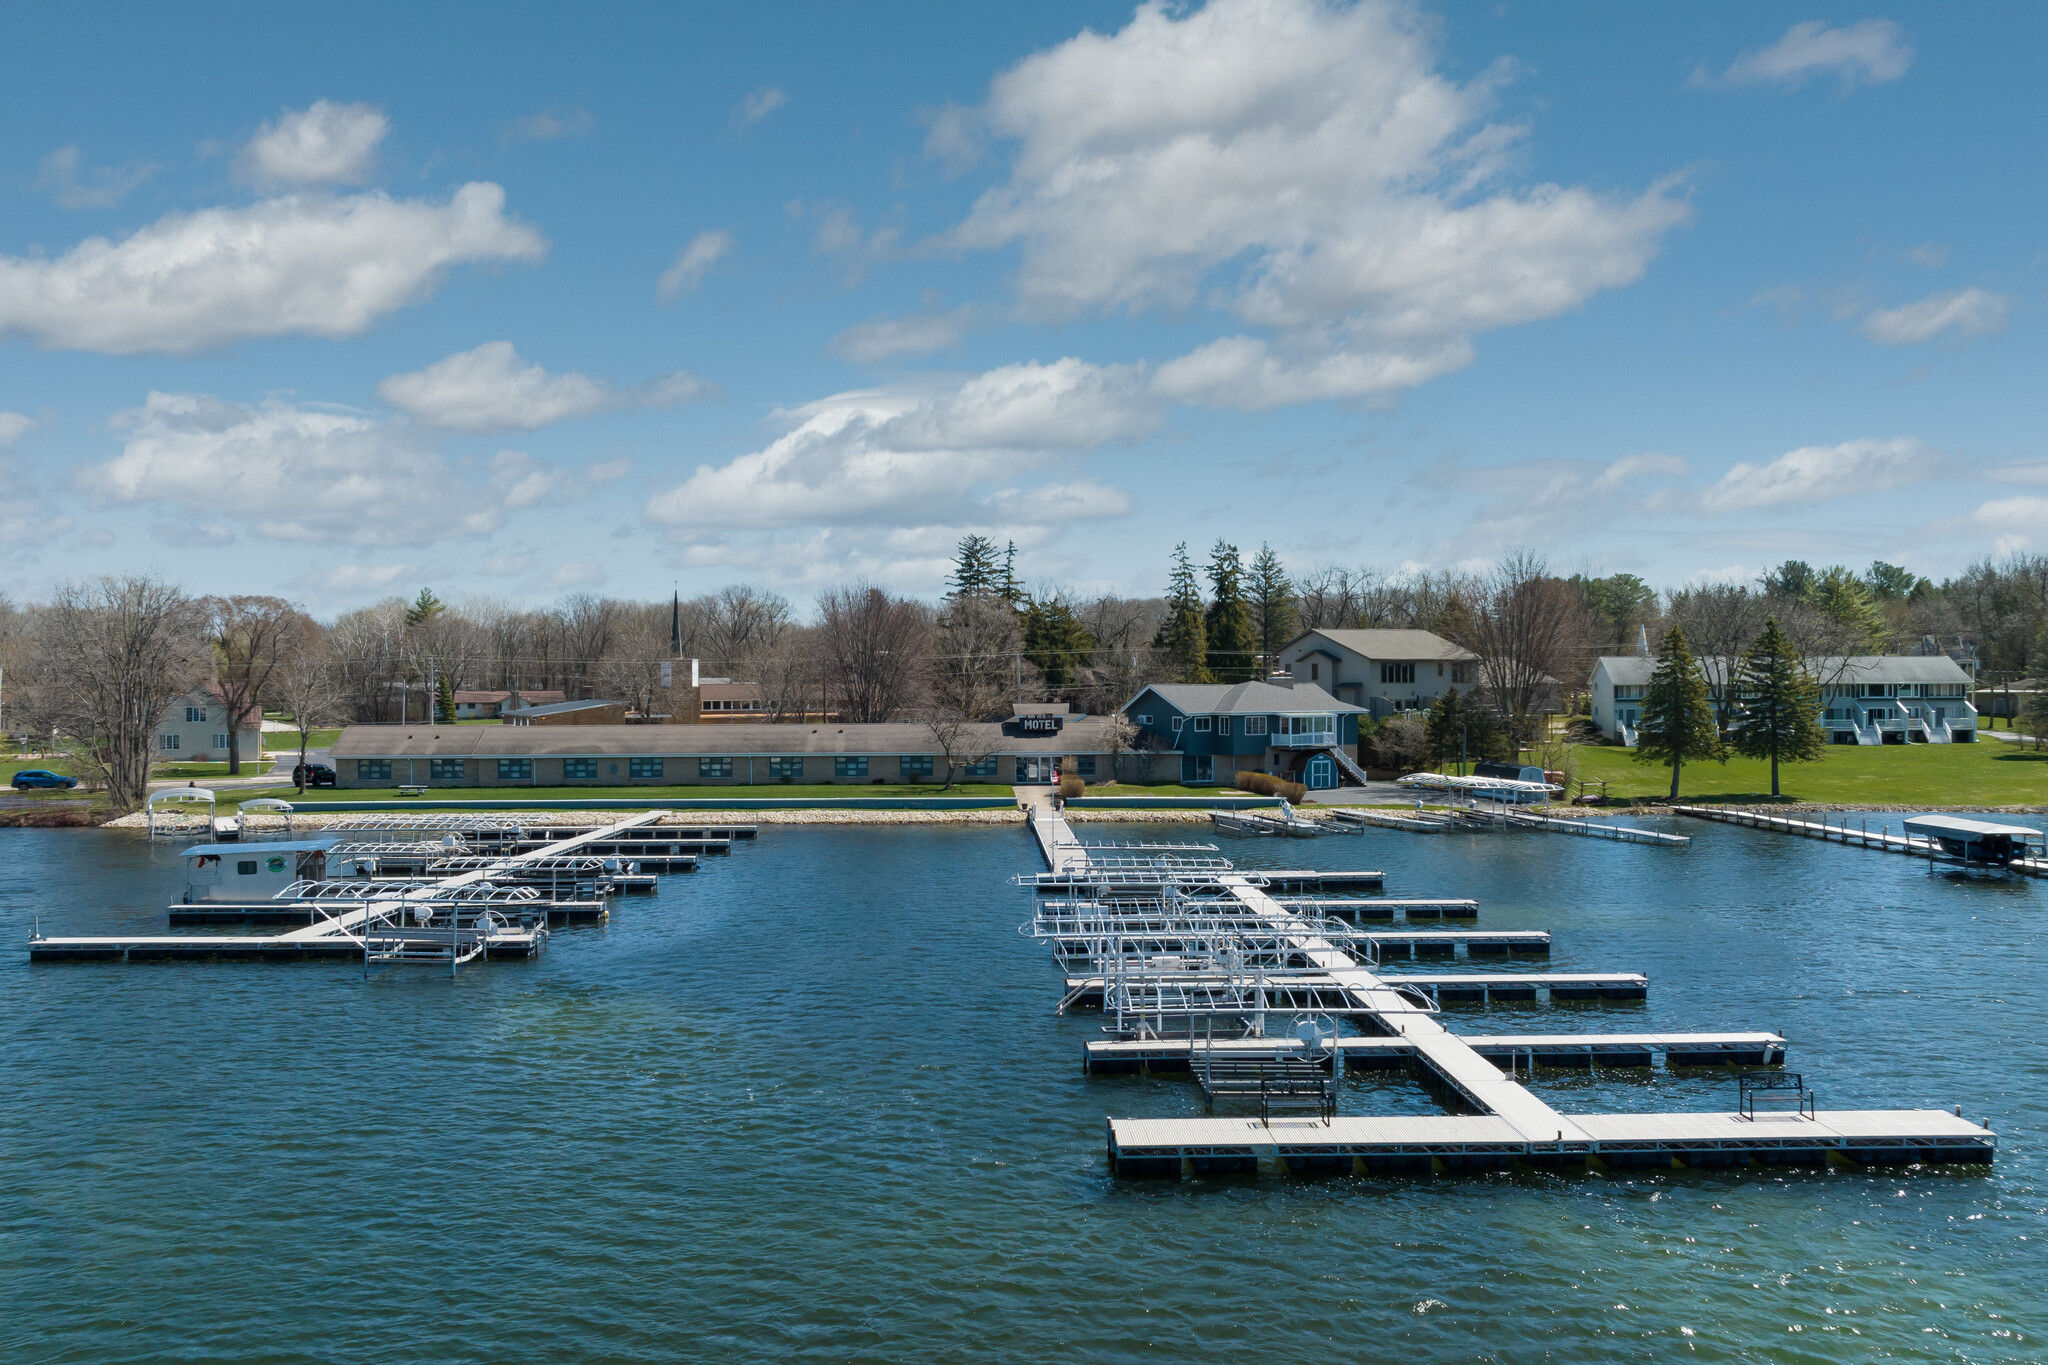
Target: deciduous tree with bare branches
x=874, y=648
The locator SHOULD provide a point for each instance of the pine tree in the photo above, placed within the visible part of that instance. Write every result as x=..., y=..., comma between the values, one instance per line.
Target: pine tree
x=444, y=702
x=974, y=567
x=1842, y=596
x=1678, y=716
x=1777, y=713
x=1271, y=595
x=424, y=608
x=1183, y=638
x=1011, y=590
x=1460, y=728
x=1233, y=643
x=1055, y=640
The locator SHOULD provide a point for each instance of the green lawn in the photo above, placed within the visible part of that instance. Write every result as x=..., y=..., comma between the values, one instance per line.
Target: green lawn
x=289, y=739
x=1991, y=772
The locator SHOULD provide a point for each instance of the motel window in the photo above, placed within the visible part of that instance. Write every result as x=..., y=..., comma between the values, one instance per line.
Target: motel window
x=373, y=770
x=1397, y=673
x=1255, y=725
x=706, y=767
x=195, y=714
x=985, y=768
x=170, y=741
x=911, y=768
x=653, y=767
x=791, y=768
x=579, y=769
x=445, y=769
x=515, y=769
x=1084, y=765
x=849, y=767
x=1201, y=725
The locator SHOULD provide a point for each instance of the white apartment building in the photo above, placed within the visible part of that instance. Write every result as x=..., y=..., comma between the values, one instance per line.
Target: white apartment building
x=1865, y=699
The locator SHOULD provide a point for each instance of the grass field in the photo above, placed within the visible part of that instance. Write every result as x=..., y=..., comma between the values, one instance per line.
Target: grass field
x=1991, y=772
x=511, y=793
x=274, y=740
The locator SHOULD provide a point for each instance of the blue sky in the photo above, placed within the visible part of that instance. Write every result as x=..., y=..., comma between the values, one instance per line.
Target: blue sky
x=523, y=302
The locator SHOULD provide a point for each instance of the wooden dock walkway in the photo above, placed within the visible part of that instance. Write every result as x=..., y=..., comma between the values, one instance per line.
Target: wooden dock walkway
x=1858, y=835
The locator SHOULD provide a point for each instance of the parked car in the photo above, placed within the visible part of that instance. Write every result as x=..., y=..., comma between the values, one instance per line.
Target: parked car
x=312, y=775
x=41, y=777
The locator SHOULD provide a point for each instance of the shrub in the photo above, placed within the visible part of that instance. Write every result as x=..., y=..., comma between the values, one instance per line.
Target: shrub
x=1265, y=784
x=1401, y=742
x=1071, y=786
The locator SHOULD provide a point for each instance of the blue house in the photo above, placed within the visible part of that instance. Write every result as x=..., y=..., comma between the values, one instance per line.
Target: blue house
x=1220, y=729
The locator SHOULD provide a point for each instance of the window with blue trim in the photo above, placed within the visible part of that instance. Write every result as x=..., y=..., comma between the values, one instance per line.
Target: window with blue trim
x=912, y=768
x=515, y=769
x=644, y=767
x=791, y=768
x=985, y=768
x=713, y=767
x=373, y=770
x=849, y=767
x=445, y=769
x=579, y=769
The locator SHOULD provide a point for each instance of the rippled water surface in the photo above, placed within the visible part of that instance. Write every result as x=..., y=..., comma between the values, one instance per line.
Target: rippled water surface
x=813, y=1102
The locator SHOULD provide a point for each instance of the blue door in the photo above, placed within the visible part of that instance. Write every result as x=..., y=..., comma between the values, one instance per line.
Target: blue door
x=1321, y=773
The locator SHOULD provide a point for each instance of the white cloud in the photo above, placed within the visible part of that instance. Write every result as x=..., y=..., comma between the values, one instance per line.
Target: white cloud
x=1303, y=167
x=583, y=573
x=76, y=186
x=759, y=105
x=14, y=426
x=356, y=579
x=287, y=473
x=1870, y=52
x=547, y=126
x=327, y=267
x=194, y=535
x=1928, y=255
x=932, y=328
x=955, y=137
x=492, y=389
x=506, y=566
x=686, y=272
x=1966, y=312
x=325, y=144
x=1813, y=474
x=895, y=458
x=1540, y=502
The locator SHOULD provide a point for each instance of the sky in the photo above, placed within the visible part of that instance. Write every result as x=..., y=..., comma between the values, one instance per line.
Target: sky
x=532, y=300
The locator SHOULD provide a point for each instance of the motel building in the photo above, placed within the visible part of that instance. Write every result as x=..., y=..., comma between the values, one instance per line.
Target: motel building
x=1028, y=748
x=1864, y=699
x=1201, y=734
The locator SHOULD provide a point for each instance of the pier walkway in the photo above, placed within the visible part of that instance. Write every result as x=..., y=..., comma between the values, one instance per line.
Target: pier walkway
x=1858, y=835
x=1506, y=1123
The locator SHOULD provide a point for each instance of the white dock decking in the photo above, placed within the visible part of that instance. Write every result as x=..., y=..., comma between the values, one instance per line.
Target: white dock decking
x=1858, y=835
x=339, y=937
x=1509, y=1123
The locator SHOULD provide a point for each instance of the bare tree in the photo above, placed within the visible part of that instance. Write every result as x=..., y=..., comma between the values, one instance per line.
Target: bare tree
x=1530, y=631
x=589, y=625
x=250, y=636
x=873, y=647
x=1718, y=620
x=741, y=624
x=1119, y=737
x=1121, y=662
x=303, y=684
x=111, y=658
x=973, y=663
x=369, y=650
x=633, y=669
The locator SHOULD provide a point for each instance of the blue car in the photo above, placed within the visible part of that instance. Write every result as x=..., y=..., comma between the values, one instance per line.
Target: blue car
x=29, y=778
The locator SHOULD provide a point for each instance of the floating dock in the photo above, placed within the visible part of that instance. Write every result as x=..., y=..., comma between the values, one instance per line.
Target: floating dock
x=1502, y=1124
x=1858, y=835
x=1381, y=908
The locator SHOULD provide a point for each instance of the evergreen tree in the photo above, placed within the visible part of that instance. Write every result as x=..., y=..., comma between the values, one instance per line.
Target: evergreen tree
x=1794, y=578
x=1233, y=643
x=1056, y=641
x=1890, y=583
x=974, y=568
x=1678, y=716
x=1777, y=712
x=1011, y=590
x=444, y=702
x=1842, y=596
x=1270, y=593
x=1460, y=728
x=1183, y=639
x=424, y=608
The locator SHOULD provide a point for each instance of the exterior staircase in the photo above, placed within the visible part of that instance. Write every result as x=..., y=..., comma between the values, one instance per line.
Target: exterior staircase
x=1628, y=736
x=1348, y=765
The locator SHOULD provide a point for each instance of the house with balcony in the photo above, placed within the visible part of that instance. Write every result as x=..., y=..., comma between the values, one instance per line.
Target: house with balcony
x=1379, y=671
x=1864, y=699
x=1212, y=731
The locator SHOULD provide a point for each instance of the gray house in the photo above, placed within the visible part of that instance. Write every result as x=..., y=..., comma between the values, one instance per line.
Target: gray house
x=1380, y=671
x=1865, y=699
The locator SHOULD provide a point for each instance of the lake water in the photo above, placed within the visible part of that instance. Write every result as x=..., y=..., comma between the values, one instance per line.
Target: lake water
x=813, y=1103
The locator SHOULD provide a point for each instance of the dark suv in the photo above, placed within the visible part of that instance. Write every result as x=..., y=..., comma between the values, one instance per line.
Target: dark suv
x=312, y=775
